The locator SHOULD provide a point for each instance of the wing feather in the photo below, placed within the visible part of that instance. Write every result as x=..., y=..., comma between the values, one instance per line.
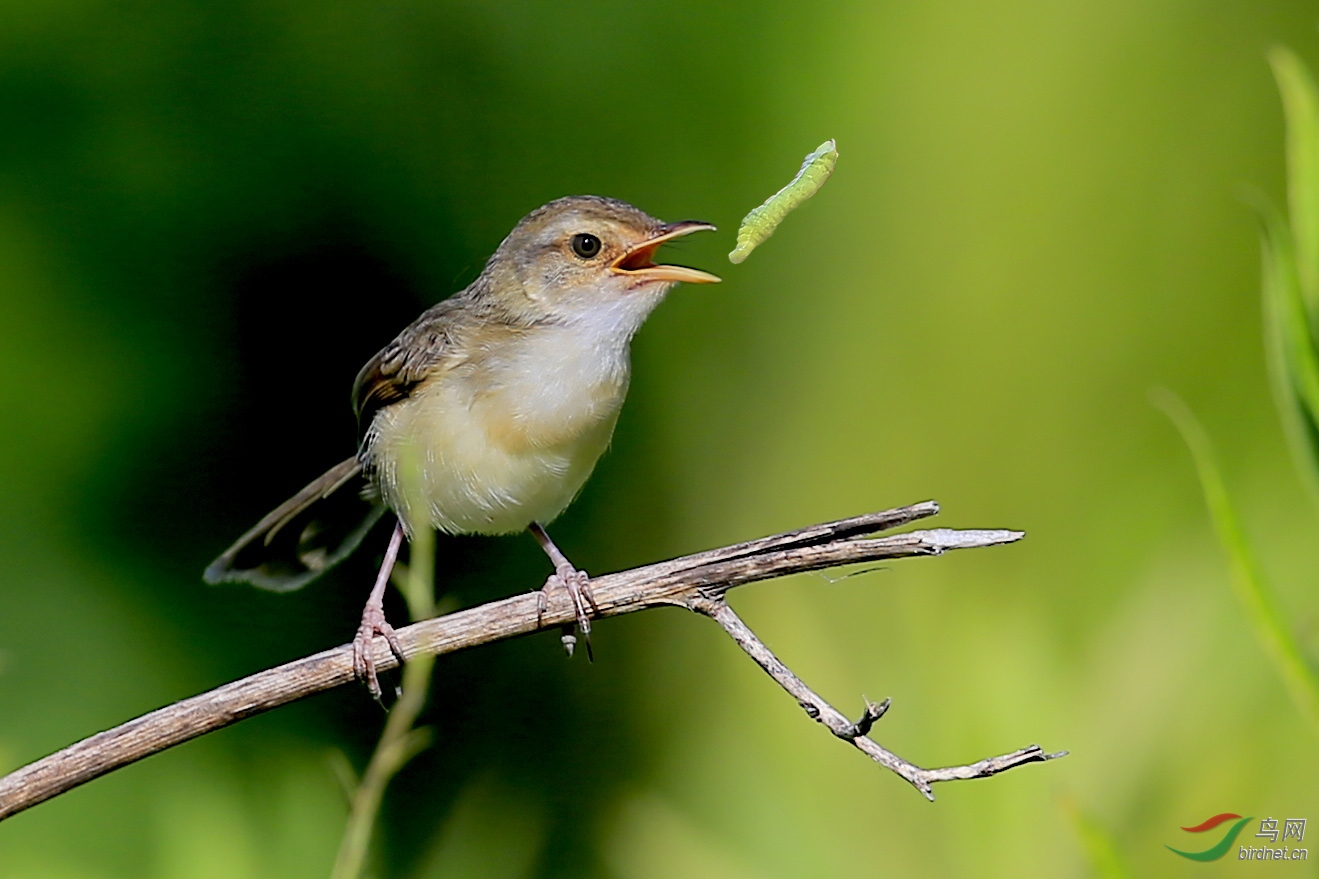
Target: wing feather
x=404, y=363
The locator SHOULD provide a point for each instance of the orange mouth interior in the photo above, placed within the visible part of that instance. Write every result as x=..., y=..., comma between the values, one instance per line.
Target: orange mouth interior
x=640, y=257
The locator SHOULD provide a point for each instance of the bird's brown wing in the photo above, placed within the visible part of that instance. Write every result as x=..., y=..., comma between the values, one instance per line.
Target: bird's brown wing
x=401, y=365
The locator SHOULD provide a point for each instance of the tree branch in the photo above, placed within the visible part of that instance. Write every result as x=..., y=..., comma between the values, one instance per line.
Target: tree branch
x=818, y=709
x=698, y=582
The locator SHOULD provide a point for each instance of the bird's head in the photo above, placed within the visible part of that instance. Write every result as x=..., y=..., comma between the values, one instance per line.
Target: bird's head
x=584, y=255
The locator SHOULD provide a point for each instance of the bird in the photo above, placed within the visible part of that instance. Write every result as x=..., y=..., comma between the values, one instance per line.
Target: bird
x=487, y=414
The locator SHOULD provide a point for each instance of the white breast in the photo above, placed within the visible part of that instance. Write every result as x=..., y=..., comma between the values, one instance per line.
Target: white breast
x=507, y=438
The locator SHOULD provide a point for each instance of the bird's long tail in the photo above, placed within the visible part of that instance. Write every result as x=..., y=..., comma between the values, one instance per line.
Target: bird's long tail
x=303, y=537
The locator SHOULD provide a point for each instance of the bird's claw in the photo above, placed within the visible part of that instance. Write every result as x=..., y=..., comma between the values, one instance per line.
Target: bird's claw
x=364, y=663
x=577, y=584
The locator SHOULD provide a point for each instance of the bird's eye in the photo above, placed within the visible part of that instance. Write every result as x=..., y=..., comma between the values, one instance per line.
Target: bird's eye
x=585, y=245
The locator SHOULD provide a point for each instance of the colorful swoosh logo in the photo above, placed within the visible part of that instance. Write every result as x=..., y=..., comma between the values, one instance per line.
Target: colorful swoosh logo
x=1216, y=851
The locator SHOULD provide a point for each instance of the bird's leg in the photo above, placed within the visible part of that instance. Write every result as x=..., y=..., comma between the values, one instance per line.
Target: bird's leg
x=374, y=623
x=566, y=576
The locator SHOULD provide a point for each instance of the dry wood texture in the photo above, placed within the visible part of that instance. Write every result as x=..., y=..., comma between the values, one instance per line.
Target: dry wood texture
x=698, y=582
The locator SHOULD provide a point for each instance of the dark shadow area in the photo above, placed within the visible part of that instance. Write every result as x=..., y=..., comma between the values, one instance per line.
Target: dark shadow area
x=299, y=328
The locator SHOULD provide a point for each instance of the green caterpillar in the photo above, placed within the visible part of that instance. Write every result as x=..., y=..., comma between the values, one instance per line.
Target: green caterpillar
x=761, y=222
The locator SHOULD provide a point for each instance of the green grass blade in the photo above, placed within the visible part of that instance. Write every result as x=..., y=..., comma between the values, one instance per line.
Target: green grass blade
x=1265, y=618
x=400, y=741
x=1291, y=269
x=1293, y=363
x=1300, y=101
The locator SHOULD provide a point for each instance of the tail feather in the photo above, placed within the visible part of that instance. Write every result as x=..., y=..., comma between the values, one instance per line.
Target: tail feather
x=303, y=537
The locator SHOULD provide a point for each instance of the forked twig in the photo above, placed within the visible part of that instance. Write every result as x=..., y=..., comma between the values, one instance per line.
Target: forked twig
x=698, y=582
x=818, y=709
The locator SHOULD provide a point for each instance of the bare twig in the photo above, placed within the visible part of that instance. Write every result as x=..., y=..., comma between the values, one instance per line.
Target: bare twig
x=818, y=709
x=698, y=582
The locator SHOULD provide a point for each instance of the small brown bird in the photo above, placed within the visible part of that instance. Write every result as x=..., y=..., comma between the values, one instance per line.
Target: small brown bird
x=503, y=396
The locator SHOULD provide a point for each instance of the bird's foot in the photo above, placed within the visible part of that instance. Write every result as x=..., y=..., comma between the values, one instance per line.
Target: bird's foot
x=364, y=663
x=577, y=585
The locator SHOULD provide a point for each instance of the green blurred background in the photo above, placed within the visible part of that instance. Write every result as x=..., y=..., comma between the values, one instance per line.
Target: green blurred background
x=212, y=214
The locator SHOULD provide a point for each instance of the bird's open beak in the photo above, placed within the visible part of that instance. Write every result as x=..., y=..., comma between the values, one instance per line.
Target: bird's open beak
x=638, y=263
